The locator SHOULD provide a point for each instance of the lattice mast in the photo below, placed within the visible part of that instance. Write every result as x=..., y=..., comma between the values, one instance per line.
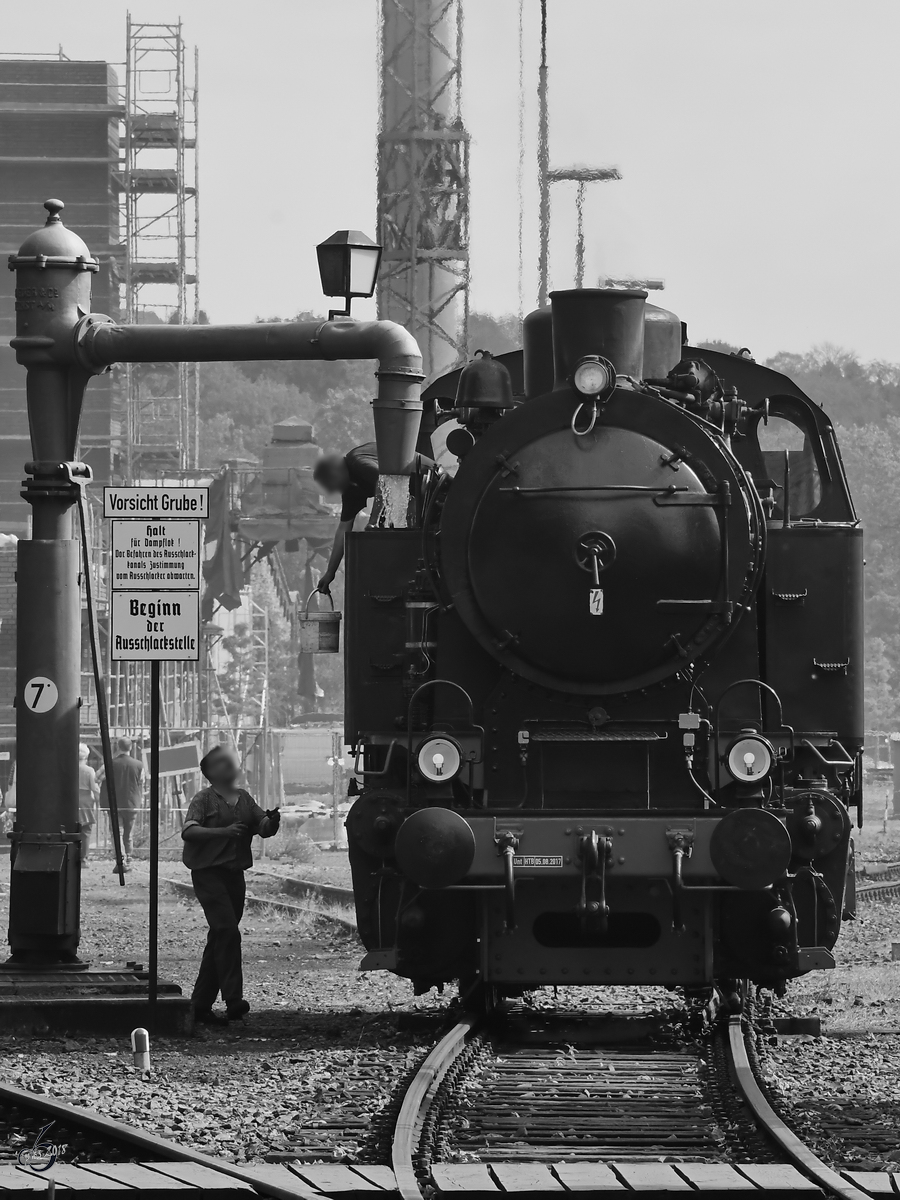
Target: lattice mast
x=423, y=178
x=161, y=228
x=581, y=176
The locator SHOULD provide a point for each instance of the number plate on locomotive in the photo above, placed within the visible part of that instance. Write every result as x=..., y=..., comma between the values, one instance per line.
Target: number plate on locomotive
x=538, y=860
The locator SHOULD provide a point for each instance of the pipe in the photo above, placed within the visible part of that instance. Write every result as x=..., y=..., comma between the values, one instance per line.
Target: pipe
x=397, y=406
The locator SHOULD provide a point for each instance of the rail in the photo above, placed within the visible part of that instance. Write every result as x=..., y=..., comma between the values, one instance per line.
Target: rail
x=878, y=891
x=797, y=1151
x=307, y=887
x=148, y=1144
x=289, y=910
x=417, y=1101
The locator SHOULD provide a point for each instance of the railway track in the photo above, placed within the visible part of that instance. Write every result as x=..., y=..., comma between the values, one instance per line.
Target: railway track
x=878, y=881
x=878, y=891
x=548, y=1106
x=139, y=1160
x=320, y=894
x=879, y=871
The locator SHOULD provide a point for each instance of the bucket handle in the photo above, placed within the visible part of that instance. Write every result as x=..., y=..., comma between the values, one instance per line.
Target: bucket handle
x=310, y=596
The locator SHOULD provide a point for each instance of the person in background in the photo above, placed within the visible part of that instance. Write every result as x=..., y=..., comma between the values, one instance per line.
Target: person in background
x=218, y=831
x=127, y=776
x=353, y=476
x=88, y=794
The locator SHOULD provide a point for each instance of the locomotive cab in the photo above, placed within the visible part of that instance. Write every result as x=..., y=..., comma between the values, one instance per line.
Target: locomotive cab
x=606, y=694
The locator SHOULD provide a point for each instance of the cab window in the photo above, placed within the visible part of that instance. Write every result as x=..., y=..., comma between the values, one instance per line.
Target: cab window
x=790, y=463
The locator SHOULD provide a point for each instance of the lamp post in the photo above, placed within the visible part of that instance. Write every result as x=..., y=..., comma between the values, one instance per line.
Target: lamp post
x=348, y=267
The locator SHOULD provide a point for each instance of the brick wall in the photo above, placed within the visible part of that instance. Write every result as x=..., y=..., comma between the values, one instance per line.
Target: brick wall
x=60, y=139
x=7, y=645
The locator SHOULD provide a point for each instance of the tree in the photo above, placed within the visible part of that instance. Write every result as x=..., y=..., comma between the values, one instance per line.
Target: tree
x=850, y=391
x=237, y=412
x=497, y=334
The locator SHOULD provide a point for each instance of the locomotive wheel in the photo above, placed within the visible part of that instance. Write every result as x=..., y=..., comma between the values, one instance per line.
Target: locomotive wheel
x=475, y=996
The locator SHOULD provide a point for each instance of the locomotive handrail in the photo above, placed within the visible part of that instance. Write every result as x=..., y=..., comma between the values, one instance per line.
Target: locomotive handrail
x=433, y=683
x=846, y=761
x=387, y=762
x=670, y=490
x=435, y=490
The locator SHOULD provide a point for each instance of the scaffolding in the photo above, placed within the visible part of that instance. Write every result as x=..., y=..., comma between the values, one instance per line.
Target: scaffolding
x=423, y=178
x=159, y=218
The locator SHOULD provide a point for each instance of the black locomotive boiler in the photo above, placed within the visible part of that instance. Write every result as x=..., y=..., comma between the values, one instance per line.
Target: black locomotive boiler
x=606, y=689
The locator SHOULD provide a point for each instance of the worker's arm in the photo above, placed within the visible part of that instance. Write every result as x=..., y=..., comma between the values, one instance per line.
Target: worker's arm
x=264, y=823
x=196, y=833
x=336, y=556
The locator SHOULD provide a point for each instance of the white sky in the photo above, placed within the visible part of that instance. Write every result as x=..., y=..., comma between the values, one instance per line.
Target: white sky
x=758, y=142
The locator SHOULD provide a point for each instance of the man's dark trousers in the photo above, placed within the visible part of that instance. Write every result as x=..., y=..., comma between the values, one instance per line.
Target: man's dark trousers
x=220, y=891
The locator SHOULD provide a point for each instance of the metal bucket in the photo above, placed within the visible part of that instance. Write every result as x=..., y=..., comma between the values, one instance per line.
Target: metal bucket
x=320, y=632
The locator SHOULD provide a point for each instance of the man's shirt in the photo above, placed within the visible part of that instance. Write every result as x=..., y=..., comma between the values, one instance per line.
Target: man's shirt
x=127, y=772
x=212, y=811
x=362, y=467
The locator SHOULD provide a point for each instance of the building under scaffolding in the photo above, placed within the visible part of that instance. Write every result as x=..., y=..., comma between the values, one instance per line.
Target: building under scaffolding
x=156, y=215
x=59, y=136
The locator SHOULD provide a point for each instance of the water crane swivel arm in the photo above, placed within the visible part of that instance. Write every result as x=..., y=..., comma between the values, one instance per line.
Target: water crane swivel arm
x=100, y=342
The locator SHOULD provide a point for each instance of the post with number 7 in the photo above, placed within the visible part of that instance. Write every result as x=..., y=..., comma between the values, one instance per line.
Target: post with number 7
x=45, y=852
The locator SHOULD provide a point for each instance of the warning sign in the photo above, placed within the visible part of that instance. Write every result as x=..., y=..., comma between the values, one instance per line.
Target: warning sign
x=163, y=502
x=160, y=625
x=156, y=555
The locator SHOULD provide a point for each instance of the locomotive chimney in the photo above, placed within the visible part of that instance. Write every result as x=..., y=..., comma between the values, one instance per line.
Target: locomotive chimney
x=608, y=322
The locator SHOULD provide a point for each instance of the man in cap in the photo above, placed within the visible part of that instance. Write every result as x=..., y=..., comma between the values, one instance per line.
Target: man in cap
x=218, y=831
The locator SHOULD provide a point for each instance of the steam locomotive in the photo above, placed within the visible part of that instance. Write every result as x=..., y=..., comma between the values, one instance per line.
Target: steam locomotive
x=606, y=689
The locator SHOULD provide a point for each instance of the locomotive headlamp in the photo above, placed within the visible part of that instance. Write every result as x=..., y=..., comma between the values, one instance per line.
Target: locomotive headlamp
x=750, y=759
x=594, y=376
x=348, y=266
x=439, y=759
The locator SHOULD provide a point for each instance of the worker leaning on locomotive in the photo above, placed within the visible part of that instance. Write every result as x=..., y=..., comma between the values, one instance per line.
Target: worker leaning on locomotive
x=606, y=687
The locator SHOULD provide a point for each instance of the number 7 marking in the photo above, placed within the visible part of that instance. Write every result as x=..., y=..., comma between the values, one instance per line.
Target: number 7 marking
x=40, y=694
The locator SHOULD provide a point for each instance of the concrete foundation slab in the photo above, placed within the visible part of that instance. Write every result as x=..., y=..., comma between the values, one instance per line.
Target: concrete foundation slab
x=89, y=1001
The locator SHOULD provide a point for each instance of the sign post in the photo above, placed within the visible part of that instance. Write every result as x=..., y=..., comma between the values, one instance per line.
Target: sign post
x=155, y=617
x=153, y=957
